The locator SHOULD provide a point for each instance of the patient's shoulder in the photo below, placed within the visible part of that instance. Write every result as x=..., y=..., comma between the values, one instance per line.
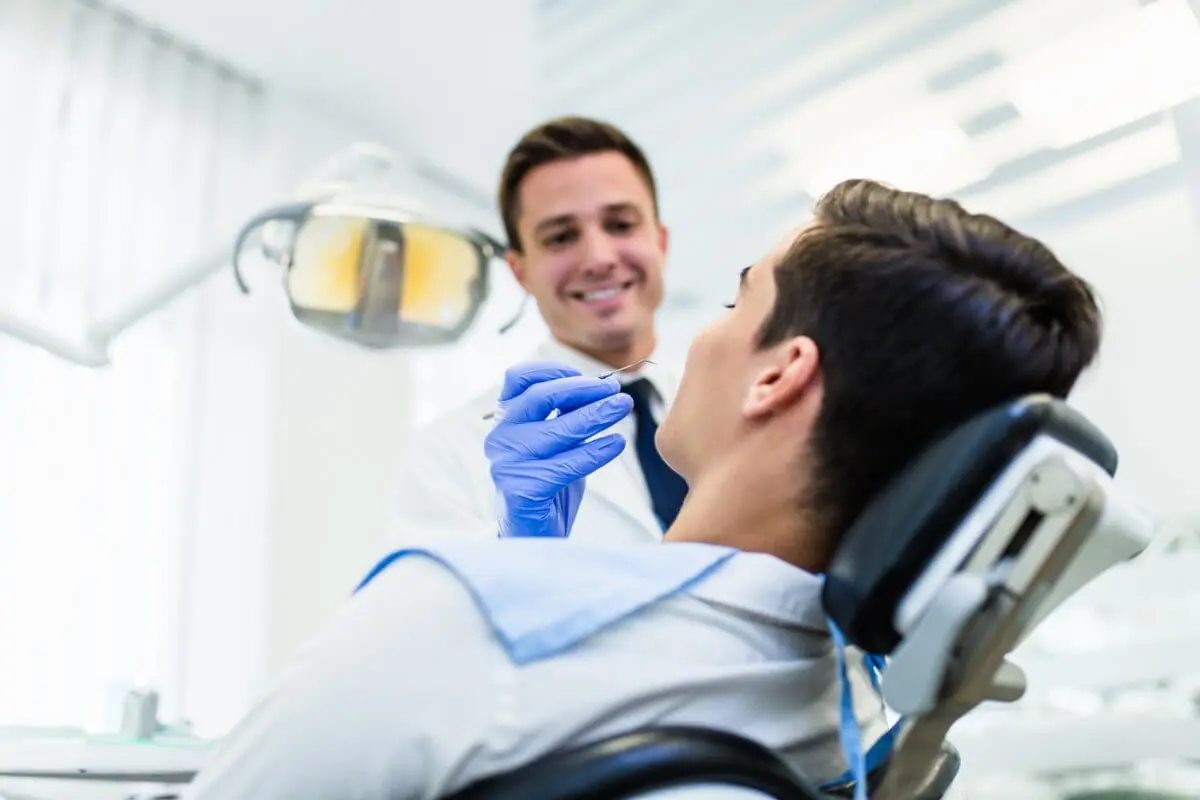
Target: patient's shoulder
x=422, y=579
x=421, y=597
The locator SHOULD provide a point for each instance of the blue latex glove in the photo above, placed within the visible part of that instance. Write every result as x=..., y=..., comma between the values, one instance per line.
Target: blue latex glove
x=540, y=465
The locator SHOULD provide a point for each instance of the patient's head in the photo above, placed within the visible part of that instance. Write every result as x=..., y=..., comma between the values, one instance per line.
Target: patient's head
x=889, y=318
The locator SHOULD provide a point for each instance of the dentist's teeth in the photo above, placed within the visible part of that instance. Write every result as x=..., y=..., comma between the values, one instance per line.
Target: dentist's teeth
x=601, y=294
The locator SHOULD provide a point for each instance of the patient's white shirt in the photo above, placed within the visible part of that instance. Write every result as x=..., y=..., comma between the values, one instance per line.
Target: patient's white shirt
x=409, y=694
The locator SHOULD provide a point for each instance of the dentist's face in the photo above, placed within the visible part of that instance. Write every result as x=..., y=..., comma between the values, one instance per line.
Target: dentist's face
x=593, y=254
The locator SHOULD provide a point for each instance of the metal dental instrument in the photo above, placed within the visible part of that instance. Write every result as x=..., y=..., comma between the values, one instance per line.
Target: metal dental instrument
x=492, y=414
x=625, y=368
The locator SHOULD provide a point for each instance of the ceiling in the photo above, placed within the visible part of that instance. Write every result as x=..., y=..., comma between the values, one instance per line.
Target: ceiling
x=452, y=79
x=1027, y=109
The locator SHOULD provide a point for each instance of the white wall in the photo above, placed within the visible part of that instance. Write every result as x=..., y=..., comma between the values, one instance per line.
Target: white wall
x=340, y=417
x=272, y=430
x=1145, y=391
x=335, y=417
x=297, y=437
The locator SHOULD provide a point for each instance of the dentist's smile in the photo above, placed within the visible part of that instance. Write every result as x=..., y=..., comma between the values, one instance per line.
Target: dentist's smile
x=605, y=295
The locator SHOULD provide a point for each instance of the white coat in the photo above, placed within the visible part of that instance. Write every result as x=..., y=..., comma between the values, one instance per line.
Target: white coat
x=443, y=484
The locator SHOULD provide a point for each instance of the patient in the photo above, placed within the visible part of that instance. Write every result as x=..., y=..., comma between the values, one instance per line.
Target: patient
x=886, y=320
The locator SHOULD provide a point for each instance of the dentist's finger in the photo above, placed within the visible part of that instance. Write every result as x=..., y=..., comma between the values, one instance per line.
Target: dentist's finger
x=520, y=377
x=564, y=394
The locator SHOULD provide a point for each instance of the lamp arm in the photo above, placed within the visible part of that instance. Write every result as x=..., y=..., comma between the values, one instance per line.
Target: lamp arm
x=93, y=350
x=84, y=353
x=155, y=296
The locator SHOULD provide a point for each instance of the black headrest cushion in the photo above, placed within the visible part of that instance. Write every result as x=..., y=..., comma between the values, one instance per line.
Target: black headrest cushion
x=649, y=760
x=896, y=536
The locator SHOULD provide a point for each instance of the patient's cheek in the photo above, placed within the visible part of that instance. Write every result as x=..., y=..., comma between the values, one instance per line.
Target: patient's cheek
x=700, y=350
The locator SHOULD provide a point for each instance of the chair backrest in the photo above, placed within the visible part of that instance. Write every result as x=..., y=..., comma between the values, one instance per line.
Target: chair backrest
x=907, y=524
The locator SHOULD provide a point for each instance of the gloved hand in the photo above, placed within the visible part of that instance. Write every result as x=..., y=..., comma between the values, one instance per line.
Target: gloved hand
x=540, y=465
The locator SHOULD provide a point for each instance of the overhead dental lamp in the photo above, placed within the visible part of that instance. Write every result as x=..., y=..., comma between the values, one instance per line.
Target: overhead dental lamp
x=374, y=273
x=359, y=262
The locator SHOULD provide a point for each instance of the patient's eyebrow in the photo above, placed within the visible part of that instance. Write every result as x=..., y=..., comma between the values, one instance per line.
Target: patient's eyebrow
x=743, y=278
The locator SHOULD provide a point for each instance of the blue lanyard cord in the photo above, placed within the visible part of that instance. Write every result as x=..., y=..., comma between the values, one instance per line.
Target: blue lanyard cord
x=849, y=731
x=875, y=665
x=861, y=764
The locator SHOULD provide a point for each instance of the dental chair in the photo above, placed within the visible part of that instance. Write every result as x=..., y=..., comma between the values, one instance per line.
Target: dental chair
x=946, y=572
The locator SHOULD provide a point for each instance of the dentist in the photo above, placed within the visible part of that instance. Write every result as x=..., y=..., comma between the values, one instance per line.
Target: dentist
x=580, y=211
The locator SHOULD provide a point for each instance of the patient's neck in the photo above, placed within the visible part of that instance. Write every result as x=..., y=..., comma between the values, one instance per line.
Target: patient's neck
x=751, y=506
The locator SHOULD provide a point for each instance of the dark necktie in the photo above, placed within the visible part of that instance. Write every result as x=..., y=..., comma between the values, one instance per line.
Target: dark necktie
x=667, y=489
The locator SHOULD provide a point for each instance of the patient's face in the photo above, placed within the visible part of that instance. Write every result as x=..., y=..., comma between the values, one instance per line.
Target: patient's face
x=709, y=412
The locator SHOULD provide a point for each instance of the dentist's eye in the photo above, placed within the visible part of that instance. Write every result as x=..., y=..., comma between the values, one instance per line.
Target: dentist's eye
x=730, y=305
x=559, y=238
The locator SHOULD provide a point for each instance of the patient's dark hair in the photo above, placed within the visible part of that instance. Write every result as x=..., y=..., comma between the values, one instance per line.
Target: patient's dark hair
x=924, y=315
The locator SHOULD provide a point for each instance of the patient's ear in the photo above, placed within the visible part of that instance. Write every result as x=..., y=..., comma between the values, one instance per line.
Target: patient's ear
x=790, y=377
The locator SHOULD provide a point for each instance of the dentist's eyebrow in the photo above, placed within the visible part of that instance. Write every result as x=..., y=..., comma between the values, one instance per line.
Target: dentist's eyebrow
x=553, y=222
x=743, y=278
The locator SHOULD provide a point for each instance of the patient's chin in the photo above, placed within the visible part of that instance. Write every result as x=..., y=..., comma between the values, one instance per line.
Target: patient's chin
x=664, y=442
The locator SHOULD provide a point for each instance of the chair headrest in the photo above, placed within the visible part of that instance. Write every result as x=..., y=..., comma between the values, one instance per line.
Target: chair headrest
x=893, y=540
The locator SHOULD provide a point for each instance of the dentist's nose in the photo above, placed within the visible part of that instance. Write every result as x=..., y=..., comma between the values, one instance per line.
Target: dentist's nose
x=599, y=252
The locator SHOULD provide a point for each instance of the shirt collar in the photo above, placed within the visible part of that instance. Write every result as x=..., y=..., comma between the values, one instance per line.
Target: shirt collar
x=766, y=586
x=542, y=596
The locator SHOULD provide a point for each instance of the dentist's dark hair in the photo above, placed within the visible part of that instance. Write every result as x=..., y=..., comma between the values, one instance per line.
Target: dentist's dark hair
x=924, y=315
x=557, y=140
